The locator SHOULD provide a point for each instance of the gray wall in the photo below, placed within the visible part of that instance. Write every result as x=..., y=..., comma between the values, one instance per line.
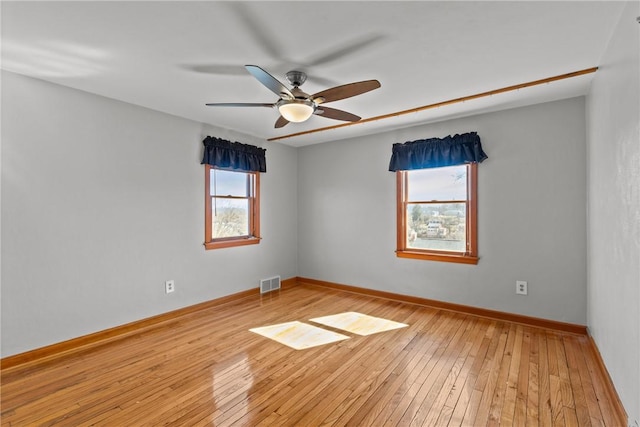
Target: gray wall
x=103, y=201
x=531, y=209
x=613, y=107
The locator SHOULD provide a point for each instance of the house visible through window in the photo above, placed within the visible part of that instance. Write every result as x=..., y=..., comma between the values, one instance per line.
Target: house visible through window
x=232, y=208
x=437, y=213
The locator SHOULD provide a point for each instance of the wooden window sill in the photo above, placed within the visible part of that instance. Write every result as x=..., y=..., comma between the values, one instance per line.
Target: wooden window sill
x=456, y=258
x=231, y=243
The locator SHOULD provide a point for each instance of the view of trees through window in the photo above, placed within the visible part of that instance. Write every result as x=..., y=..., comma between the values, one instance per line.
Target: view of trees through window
x=230, y=193
x=437, y=226
x=436, y=209
x=230, y=218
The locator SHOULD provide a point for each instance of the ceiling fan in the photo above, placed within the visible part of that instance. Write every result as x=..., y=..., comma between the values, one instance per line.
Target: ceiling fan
x=297, y=106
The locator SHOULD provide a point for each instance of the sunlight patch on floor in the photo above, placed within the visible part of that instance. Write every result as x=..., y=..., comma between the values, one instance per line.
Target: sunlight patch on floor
x=298, y=335
x=357, y=323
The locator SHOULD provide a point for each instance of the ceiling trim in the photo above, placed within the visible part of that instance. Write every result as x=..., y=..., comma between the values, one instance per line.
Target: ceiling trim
x=443, y=103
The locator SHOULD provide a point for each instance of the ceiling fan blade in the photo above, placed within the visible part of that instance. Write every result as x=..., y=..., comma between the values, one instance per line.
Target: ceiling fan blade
x=345, y=49
x=217, y=69
x=321, y=81
x=281, y=122
x=238, y=104
x=332, y=113
x=345, y=91
x=258, y=28
x=269, y=81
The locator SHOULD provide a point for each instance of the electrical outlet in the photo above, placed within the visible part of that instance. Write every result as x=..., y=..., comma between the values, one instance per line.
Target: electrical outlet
x=169, y=286
x=521, y=287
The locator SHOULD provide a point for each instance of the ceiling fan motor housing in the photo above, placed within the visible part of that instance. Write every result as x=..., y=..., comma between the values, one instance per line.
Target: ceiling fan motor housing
x=296, y=78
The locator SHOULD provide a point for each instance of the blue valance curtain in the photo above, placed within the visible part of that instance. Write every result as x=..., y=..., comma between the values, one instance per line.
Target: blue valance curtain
x=437, y=152
x=233, y=155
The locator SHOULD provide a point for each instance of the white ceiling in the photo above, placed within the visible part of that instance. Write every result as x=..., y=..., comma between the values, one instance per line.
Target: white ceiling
x=176, y=56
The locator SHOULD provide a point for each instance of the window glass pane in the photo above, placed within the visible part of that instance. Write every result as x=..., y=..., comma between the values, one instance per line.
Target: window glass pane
x=228, y=183
x=437, y=226
x=448, y=183
x=230, y=217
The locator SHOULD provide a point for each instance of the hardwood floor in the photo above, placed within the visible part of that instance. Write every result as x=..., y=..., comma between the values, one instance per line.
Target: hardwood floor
x=206, y=368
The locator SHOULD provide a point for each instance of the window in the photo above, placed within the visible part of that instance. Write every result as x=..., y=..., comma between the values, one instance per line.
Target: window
x=437, y=213
x=232, y=208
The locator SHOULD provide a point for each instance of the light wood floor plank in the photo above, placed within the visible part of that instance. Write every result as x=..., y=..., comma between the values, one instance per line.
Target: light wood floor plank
x=502, y=383
x=422, y=385
x=466, y=375
x=406, y=394
x=335, y=379
x=386, y=398
x=464, y=407
x=450, y=323
x=439, y=389
x=544, y=388
x=495, y=369
x=582, y=411
x=533, y=395
x=206, y=368
x=590, y=375
x=522, y=388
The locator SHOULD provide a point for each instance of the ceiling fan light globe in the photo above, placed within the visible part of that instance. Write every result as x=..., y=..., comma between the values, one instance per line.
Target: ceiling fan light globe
x=296, y=112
